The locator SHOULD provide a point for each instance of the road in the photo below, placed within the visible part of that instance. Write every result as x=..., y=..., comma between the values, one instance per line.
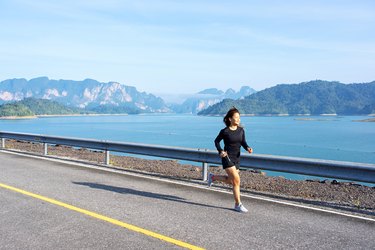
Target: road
x=57, y=205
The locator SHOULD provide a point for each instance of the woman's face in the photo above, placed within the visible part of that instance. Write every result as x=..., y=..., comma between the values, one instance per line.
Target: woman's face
x=235, y=120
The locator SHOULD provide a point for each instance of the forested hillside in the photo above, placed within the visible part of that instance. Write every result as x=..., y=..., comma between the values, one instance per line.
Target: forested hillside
x=310, y=98
x=31, y=107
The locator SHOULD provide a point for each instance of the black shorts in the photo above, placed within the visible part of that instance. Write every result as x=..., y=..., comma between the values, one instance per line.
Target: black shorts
x=230, y=161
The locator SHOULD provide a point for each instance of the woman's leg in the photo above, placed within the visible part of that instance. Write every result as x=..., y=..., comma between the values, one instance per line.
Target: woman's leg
x=234, y=179
x=222, y=178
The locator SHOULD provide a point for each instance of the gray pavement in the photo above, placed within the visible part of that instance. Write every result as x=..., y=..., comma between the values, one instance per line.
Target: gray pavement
x=198, y=216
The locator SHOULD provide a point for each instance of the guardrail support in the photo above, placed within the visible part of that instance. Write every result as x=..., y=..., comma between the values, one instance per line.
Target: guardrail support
x=204, y=171
x=45, y=148
x=2, y=142
x=107, y=157
x=354, y=171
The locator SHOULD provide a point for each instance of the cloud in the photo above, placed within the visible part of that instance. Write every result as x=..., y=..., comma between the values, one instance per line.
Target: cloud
x=187, y=41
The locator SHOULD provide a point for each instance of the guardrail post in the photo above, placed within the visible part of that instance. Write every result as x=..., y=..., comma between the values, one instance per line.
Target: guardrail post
x=45, y=148
x=107, y=157
x=354, y=171
x=204, y=171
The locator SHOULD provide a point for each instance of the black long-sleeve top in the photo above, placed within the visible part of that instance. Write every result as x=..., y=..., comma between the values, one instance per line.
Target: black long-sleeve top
x=233, y=140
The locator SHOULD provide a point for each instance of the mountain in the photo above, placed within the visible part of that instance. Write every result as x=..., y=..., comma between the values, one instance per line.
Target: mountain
x=31, y=107
x=209, y=97
x=308, y=98
x=82, y=94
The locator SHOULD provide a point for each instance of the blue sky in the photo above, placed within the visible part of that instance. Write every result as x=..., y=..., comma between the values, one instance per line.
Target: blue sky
x=186, y=46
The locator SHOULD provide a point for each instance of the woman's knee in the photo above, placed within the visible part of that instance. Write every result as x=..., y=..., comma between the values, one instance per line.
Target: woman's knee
x=236, y=180
x=234, y=177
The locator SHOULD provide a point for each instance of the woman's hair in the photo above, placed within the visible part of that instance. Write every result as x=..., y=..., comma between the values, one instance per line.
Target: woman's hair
x=230, y=114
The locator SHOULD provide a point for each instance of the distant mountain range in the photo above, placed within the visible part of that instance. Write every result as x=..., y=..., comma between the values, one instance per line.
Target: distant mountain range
x=89, y=94
x=111, y=97
x=308, y=98
x=208, y=97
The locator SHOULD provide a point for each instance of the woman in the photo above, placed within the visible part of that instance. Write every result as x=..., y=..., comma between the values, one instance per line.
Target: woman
x=234, y=137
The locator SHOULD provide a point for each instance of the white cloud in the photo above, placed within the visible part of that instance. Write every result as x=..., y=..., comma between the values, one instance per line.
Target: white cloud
x=151, y=43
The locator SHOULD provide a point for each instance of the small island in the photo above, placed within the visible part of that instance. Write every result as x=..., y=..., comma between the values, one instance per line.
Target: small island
x=365, y=120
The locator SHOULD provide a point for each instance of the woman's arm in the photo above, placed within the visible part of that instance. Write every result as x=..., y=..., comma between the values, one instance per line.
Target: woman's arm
x=244, y=143
x=218, y=140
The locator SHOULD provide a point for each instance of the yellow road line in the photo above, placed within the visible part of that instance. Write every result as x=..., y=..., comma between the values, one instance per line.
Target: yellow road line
x=104, y=218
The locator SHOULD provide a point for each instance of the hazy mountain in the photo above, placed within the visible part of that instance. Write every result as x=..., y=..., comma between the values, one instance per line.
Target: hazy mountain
x=211, y=91
x=209, y=97
x=310, y=98
x=87, y=93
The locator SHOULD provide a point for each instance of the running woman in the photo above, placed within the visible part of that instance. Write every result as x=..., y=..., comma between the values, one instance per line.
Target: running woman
x=234, y=137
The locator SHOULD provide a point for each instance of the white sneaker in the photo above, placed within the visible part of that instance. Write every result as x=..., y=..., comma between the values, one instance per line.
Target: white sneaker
x=240, y=208
x=209, y=181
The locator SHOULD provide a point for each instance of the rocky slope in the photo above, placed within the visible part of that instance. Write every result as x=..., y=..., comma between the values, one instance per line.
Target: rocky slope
x=80, y=93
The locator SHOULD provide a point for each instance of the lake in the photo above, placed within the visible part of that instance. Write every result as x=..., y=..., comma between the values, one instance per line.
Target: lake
x=323, y=137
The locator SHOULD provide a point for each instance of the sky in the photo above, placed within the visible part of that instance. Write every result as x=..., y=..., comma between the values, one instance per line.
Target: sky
x=183, y=47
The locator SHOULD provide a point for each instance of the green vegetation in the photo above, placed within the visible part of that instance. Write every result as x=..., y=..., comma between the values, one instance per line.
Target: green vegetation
x=47, y=107
x=15, y=109
x=32, y=107
x=312, y=98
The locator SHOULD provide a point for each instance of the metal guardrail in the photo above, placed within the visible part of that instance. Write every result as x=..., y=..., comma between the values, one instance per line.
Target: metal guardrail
x=353, y=171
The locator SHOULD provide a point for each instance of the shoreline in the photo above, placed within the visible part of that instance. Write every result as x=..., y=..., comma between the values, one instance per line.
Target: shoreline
x=211, y=115
x=73, y=115
x=348, y=196
x=47, y=116
x=291, y=115
x=17, y=117
x=365, y=120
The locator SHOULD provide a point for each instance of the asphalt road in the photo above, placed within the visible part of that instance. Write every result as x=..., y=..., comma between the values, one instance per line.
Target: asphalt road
x=198, y=216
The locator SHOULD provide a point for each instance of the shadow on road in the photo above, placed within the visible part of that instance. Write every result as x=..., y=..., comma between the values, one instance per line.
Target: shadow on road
x=122, y=190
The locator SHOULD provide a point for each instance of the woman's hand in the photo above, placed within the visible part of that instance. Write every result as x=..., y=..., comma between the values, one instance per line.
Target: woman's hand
x=250, y=150
x=223, y=154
